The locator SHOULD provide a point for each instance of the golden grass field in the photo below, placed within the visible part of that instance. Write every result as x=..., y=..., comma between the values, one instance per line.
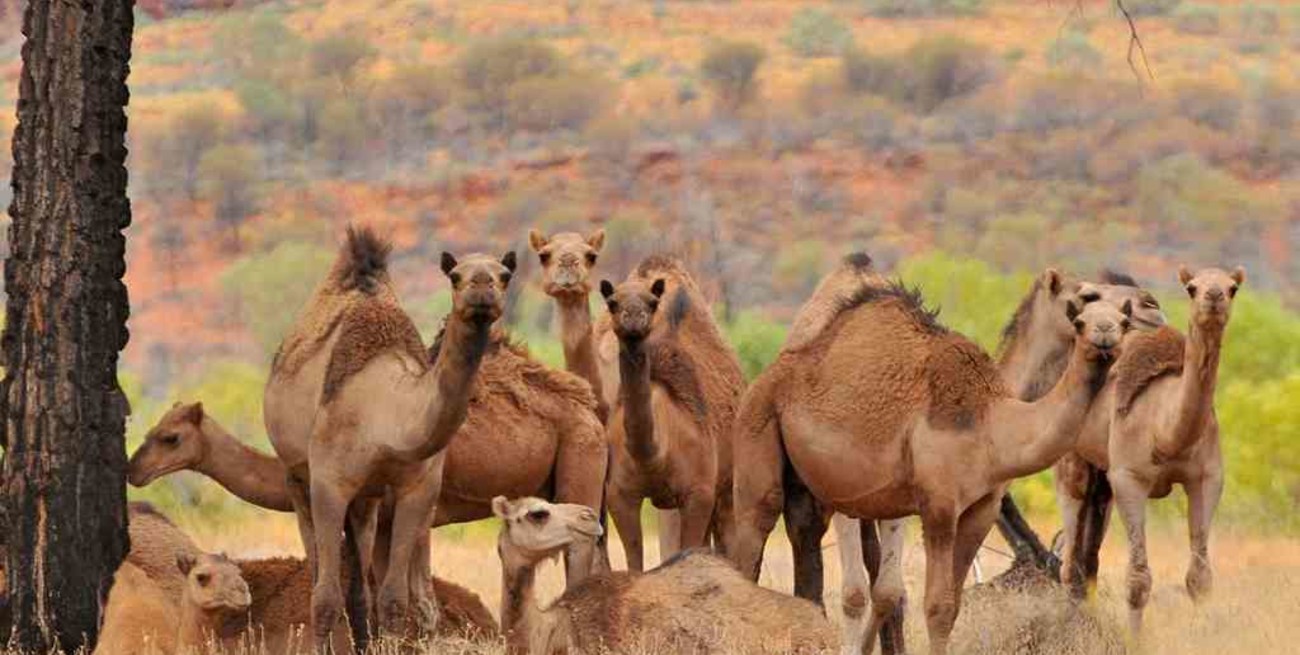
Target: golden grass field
x=1253, y=610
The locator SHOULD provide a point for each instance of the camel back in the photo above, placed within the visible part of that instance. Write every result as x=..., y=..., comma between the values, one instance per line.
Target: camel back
x=509, y=373
x=831, y=297
x=1146, y=357
x=367, y=329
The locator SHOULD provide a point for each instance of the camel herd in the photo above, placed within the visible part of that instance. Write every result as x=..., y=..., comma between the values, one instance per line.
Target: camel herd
x=872, y=410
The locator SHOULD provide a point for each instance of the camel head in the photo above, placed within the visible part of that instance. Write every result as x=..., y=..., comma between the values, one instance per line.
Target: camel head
x=1100, y=327
x=567, y=259
x=478, y=285
x=1117, y=289
x=213, y=583
x=175, y=443
x=533, y=529
x=632, y=306
x=1056, y=292
x=1212, y=291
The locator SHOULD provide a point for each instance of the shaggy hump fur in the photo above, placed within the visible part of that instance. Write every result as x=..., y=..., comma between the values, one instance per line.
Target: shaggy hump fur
x=960, y=405
x=1147, y=357
x=367, y=329
x=366, y=265
x=509, y=371
x=909, y=300
x=1116, y=278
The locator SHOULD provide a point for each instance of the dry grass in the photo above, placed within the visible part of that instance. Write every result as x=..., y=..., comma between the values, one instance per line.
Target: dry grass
x=1253, y=609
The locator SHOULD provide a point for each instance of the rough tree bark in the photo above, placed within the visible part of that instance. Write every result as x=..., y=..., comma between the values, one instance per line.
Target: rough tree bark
x=64, y=497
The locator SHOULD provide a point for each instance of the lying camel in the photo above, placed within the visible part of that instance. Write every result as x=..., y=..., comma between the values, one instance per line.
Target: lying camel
x=356, y=412
x=529, y=430
x=884, y=413
x=695, y=602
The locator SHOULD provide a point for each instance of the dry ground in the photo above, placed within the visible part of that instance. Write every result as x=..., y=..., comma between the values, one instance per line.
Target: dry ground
x=1253, y=610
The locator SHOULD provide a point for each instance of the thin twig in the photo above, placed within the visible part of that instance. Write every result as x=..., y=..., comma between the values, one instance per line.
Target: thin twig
x=1134, y=43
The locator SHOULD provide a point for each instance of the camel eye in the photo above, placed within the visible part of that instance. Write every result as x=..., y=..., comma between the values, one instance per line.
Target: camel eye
x=591, y=259
x=1232, y=291
x=653, y=304
x=1150, y=303
x=1078, y=326
x=455, y=279
x=170, y=439
x=1191, y=291
x=1091, y=296
x=539, y=515
x=1124, y=324
x=613, y=307
x=545, y=257
x=505, y=278
x=203, y=579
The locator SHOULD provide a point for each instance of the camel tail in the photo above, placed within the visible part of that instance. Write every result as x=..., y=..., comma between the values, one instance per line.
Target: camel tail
x=365, y=260
x=358, y=612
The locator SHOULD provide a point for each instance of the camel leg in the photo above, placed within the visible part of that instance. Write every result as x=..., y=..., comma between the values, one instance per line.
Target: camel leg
x=723, y=524
x=363, y=517
x=421, y=584
x=329, y=506
x=757, y=492
x=413, y=513
x=1131, y=497
x=805, y=525
x=696, y=517
x=580, y=469
x=887, y=591
x=854, y=587
x=1092, y=529
x=626, y=510
x=1070, y=503
x=972, y=529
x=670, y=533
x=940, y=596
x=301, y=500
x=1202, y=500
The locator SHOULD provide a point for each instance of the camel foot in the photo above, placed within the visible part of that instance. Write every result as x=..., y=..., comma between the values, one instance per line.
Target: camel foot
x=1200, y=582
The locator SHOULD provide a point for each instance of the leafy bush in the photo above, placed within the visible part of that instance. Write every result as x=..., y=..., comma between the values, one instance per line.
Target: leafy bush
x=818, y=33
x=922, y=8
x=490, y=69
x=1208, y=103
x=1151, y=7
x=799, y=266
x=568, y=101
x=270, y=289
x=1256, y=20
x=1257, y=424
x=228, y=175
x=729, y=68
x=176, y=151
x=867, y=73
x=1198, y=19
x=1073, y=50
x=342, y=133
x=339, y=56
x=941, y=68
x=757, y=341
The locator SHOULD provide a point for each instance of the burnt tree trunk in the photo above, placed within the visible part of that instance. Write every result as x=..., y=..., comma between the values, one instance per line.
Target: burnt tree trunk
x=64, y=496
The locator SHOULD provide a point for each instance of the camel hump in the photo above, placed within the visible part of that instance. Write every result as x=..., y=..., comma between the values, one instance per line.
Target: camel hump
x=369, y=328
x=833, y=295
x=672, y=367
x=962, y=381
x=1147, y=357
x=363, y=265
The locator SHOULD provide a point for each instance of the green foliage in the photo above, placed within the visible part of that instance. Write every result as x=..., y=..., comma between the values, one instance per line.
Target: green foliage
x=176, y=151
x=1208, y=103
x=270, y=289
x=974, y=299
x=757, y=341
x=339, y=56
x=1151, y=7
x=922, y=8
x=567, y=101
x=1258, y=424
x=257, y=47
x=1073, y=50
x=817, y=32
x=1199, y=19
x=729, y=67
x=228, y=176
x=342, y=132
x=1258, y=20
x=490, y=69
x=941, y=68
x=1186, y=198
x=1262, y=343
x=867, y=73
x=799, y=266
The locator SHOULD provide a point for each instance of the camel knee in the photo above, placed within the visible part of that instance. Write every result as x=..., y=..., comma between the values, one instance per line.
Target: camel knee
x=326, y=609
x=854, y=603
x=1139, y=586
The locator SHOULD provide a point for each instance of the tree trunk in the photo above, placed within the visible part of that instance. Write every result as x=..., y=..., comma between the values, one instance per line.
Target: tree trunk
x=64, y=496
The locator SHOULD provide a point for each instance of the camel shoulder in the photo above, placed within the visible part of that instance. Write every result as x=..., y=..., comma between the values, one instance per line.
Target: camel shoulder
x=510, y=372
x=367, y=328
x=962, y=381
x=1147, y=357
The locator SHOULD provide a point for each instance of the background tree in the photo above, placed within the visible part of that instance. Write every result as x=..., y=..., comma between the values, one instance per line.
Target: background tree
x=65, y=459
x=228, y=176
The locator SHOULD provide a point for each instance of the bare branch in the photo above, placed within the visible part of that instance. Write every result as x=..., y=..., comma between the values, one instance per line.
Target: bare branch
x=1134, y=43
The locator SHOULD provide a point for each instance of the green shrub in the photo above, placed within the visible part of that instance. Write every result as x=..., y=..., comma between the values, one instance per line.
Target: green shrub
x=1256, y=20
x=270, y=289
x=818, y=33
x=799, y=266
x=922, y=8
x=1073, y=50
x=1257, y=423
x=228, y=176
x=565, y=101
x=1151, y=7
x=757, y=341
x=339, y=56
x=1198, y=19
x=730, y=67
x=867, y=73
x=940, y=68
x=1208, y=103
x=488, y=70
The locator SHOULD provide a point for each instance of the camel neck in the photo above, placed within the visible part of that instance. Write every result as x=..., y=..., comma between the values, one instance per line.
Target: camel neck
x=519, y=612
x=1196, y=386
x=635, y=392
x=252, y=475
x=1030, y=436
x=579, y=343
x=1036, y=357
x=463, y=346
x=197, y=628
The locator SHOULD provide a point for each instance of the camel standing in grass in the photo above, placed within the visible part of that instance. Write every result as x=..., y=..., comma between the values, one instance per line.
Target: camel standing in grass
x=528, y=430
x=695, y=602
x=679, y=385
x=1160, y=430
x=884, y=413
x=355, y=411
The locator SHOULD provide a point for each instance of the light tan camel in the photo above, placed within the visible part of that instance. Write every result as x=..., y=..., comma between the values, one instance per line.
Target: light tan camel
x=567, y=259
x=355, y=411
x=694, y=603
x=885, y=414
x=215, y=592
x=529, y=430
x=1161, y=430
x=679, y=386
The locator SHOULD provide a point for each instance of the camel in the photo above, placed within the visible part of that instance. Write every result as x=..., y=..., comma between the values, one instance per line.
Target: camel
x=695, y=602
x=1160, y=430
x=355, y=411
x=884, y=413
x=528, y=430
x=567, y=259
x=215, y=592
x=679, y=386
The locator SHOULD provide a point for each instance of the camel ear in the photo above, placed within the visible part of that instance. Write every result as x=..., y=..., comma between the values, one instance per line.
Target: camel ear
x=1239, y=275
x=596, y=240
x=536, y=240
x=501, y=507
x=184, y=562
x=606, y=289
x=1052, y=281
x=194, y=413
x=508, y=261
x=448, y=263
x=657, y=288
x=1184, y=275
x=1127, y=308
